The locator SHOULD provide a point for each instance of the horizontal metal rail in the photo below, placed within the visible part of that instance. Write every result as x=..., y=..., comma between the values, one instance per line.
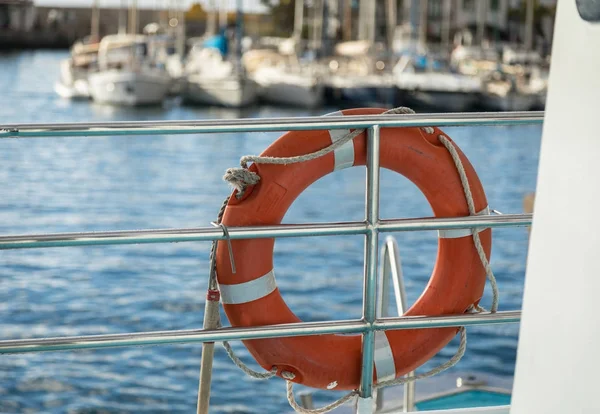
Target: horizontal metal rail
x=267, y=124
x=270, y=331
x=256, y=232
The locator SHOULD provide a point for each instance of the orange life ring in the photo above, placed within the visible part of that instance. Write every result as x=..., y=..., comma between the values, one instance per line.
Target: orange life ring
x=251, y=298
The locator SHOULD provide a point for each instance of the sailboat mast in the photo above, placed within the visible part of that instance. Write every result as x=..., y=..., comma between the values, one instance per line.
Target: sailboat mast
x=347, y=19
x=407, y=21
x=446, y=15
x=123, y=18
x=133, y=20
x=239, y=28
x=95, y=25
x=529, y=26
x=362, y=13
x=317, y=24
x=481, y=21
x=371, y=21
x=180, y=46
x=211, y=18
x=423, y=6
x=223, y=14
x=298, y=21
x=392, y=19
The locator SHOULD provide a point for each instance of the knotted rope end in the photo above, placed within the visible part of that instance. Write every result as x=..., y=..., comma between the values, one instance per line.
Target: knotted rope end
x=240, y=179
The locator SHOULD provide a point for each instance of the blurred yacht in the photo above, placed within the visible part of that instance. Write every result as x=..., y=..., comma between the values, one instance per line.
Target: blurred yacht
x=126, y=74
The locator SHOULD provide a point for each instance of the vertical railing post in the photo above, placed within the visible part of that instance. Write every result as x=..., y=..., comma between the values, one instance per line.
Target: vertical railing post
x=365, y=402
x=383, y=301
x=391, y=267
x=211, y=321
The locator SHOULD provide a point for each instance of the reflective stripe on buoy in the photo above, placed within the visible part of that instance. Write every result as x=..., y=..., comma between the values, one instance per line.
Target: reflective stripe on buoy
x=383, y=358
x=344, y=155
x=248, y=291
x=458, y=233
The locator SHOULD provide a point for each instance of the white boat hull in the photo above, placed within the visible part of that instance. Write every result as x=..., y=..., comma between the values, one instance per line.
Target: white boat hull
x=78, y=90
x=366, y=90
x=289, y=86
x=366, y=95
x=73, y=83
x=293, y=95
x=125, y=87
x=510, y=102
x=439, y=100
x=440, y=91
x=229, y=92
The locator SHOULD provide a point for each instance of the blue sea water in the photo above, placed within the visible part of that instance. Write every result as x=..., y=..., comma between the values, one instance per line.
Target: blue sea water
x=110, y=183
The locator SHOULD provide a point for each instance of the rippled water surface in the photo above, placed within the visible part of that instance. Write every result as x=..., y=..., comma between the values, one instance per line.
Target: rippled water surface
x=109, y=183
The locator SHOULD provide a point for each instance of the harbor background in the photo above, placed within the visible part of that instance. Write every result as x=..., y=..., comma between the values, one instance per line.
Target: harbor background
x=111, y=183
x=24, y=24
x=73, y=184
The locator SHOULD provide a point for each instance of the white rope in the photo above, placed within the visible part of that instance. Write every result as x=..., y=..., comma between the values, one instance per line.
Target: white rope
x=241, y=365
x=329, y=407
x=241, y=178
x=213, y=285
x=471, y=204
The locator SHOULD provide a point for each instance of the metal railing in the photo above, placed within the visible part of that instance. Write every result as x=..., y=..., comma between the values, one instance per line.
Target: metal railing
x=391, y=268
x=370, y=228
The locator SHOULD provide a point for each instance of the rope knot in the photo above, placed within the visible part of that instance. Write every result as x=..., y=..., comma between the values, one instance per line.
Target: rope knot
x=240, y=179
x=288, y=375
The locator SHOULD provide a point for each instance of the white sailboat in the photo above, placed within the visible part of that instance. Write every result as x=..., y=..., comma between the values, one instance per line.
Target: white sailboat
x=432, y=85
x=359, y=81
x=427, y=81
x=359, y=73
x=166, y=51
x=504, y=92
x=73, y=81
x=290, y=84
x=213, y=80
x=126, y=75
x=213, y=76
x=284, y=79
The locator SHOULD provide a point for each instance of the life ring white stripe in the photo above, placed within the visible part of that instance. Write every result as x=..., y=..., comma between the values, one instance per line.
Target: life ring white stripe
x=385, y=367
x=248, y=291
x=344, y=155
x=458, y=233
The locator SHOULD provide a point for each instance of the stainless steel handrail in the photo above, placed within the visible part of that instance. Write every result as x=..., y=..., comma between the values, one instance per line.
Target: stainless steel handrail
x=357, y=326
x=22, y=241
x=370, y=273
x=391, y=268
x=267, y=124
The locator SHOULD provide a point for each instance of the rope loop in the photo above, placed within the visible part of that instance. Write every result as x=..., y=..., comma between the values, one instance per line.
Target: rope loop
x=471, y=205
x=288, y=376
x=228, y=239
x=241, y=178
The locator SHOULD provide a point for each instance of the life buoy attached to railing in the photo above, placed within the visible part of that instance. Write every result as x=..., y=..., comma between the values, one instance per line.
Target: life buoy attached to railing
x=251, y=298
